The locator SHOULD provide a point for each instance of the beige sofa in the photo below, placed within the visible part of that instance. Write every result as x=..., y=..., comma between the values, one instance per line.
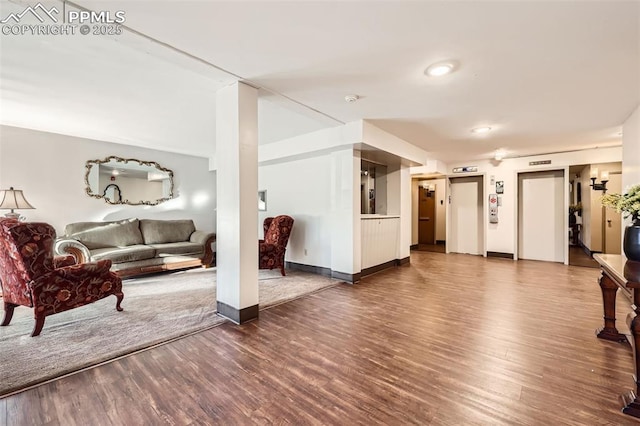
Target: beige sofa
x=139, y=246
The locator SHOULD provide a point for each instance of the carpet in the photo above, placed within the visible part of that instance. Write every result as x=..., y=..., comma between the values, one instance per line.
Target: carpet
x=157, y=308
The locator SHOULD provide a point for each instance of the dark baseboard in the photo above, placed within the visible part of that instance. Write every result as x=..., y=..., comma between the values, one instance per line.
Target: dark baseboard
x=414, y=246
x=238, y=316
x=325, y=272
x=343, y=276
x=586, y=249
x=500, y=254
x=440, y=242
x=385, y=265
x=348, y=278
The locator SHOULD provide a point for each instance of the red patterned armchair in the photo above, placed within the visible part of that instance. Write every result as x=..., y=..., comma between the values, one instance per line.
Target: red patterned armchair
x=272, y=248
x=31, y=276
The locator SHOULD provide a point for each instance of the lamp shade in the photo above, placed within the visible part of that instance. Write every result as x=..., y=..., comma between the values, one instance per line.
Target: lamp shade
x=13, y=199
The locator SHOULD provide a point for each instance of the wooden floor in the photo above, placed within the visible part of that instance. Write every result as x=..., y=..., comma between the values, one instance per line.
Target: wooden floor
x=447, y=340
x=436, y=248
x=578, y=257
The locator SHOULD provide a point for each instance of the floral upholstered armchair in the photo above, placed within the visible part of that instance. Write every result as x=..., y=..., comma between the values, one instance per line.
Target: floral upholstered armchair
x=276, y=236
x=31, y=276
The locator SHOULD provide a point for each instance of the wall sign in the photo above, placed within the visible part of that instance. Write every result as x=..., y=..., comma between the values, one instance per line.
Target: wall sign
x=500, y=187
x=493, y=208
x=465, y=169
x=537, y=163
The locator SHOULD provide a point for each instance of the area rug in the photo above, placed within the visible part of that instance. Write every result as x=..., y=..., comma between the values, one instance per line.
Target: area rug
x=157, y=308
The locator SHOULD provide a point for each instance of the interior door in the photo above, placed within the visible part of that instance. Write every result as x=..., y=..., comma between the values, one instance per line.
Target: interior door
x=466, y=230
x=426, y=216
x=541, y=216
x=613, y=220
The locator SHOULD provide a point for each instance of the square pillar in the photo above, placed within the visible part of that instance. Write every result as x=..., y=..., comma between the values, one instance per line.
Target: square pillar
x=237, y=203
x=345, y=215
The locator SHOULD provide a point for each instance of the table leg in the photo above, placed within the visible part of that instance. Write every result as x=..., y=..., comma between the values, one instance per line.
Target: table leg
x=609, y=290
x=631, y=401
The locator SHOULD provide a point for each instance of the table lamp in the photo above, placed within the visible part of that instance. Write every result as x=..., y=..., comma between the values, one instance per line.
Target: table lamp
x=13, y=199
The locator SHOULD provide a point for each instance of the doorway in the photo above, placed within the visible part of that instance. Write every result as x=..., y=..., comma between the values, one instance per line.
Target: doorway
x=466, y=224
x=426, y=215
x=541, y=216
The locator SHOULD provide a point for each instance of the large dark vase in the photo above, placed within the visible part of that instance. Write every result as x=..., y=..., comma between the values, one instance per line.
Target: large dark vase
x=631, y=244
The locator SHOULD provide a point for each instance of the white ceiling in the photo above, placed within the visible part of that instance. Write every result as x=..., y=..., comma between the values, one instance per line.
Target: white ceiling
x=547, y=76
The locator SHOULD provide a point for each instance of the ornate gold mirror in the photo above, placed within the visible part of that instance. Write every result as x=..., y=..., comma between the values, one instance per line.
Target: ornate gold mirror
x=128, y=181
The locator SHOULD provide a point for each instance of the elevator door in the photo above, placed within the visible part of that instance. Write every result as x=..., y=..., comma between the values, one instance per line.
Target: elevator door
x=466, y=230
x=541, y=216
x=426, y=216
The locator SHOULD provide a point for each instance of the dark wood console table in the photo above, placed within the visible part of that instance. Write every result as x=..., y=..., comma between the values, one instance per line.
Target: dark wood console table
x=617, y=272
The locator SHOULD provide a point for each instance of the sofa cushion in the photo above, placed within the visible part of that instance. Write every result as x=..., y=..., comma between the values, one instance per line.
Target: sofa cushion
x=183, y=248
x=166, y=231
x=112, y=234
x=124, y=254
x=76, y=227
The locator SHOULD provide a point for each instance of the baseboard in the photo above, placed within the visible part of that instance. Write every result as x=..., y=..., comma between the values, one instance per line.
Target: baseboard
x=238, y=316
x=344, y=276
x=500, y=254
x=586, y=249
x=385, y=265
x=325, y=272
x=348, y=278
x=417, y=246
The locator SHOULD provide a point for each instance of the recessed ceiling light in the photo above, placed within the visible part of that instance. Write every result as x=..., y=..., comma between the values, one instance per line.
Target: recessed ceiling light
x=439, y=69
x=481, y=130
x=351, y=98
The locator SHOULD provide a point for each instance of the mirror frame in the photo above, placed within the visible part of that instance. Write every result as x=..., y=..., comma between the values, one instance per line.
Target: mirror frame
x=90, y=193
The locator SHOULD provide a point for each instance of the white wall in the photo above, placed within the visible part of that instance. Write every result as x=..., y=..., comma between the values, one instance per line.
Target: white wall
x=631, y=152
x=501, y=236
x=50, y=169
x=322, y=194
x=315, y=178
x=302, y=190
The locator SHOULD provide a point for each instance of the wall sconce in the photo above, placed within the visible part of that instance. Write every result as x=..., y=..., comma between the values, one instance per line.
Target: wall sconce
x=604, y=178
x=13, y=199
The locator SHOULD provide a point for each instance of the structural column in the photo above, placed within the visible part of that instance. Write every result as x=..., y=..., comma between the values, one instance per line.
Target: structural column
x=345, y=215
x=399, y=203
x=237, y=204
